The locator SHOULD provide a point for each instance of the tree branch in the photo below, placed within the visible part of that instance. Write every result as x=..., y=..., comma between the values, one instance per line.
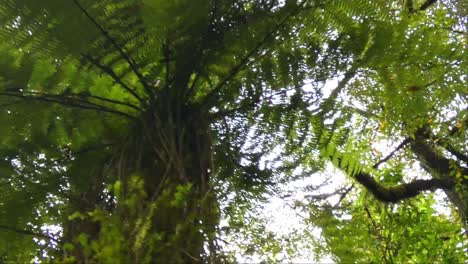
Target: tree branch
x=453, y=30
x=371, y=219
x=107, y=100
x=399, y=192
x=343, y=195
x=402, y=191
x=122, y=53
x=247, y=105
x=400, y=146
x=66, y=101
x=79, y=97
x=440, y=167
x=361, y=112
x=113, y=75
x=244, y=61
x=329, y=102
x=427, y=4
x=456, y=153
x=428, y=156
x=27, y=232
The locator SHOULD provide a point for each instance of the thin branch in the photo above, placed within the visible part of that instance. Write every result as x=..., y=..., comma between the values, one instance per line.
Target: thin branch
x=80, y=96
x=122, y=53
x=330, y=100
x=247, y=105
x=244, y=61
x=453, y=30
x=376, y=231
x=113, y=75
x=371, y=219
x=456, y=153
x=28, y=232
x=361, y=112
x=430, y=83
x=344, y=194
x=443, y=142
x=192, y=257
x=205, y=39
x=341, y=191
x=72, y=102
x=108, y=100
x=389, y=156
x=322, y=196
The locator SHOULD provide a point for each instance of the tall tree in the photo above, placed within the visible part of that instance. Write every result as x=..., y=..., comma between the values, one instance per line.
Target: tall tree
x=129, y=126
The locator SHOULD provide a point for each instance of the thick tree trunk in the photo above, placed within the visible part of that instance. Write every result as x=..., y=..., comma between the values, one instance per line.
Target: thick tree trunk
x=442, y=168
x=181, y=143
x=170, y=149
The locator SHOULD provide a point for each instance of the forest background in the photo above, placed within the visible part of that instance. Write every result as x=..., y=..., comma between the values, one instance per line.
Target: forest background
x=135, y=131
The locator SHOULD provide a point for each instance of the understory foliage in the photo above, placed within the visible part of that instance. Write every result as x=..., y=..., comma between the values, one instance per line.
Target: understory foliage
x=155, y=131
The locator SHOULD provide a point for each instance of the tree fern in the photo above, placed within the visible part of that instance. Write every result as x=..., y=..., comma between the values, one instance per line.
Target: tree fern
x=199, y=94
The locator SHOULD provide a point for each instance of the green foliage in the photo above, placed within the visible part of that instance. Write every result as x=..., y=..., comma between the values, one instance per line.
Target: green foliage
x=131, y=132
x=126, y=234
x=376, y=233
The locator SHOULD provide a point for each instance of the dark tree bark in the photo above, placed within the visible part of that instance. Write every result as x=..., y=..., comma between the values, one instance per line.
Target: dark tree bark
x=441, y=168
x=402, y=191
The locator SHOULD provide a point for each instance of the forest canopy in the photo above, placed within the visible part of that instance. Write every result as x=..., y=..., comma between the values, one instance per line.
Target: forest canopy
x=158, y=131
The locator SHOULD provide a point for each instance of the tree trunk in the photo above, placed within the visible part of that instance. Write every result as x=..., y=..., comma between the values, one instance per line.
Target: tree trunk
x=171, y=150
x=440, y=167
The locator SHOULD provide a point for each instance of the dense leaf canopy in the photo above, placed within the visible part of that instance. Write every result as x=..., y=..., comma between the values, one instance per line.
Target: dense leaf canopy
x=147, y=131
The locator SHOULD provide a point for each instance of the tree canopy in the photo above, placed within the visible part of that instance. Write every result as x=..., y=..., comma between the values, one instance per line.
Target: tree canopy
x=147, y=131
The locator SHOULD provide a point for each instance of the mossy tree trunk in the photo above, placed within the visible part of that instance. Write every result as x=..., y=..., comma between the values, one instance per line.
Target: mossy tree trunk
x=169, y=148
